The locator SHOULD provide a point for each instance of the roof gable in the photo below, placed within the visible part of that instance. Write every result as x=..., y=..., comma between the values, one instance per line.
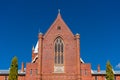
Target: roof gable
x=59, y=22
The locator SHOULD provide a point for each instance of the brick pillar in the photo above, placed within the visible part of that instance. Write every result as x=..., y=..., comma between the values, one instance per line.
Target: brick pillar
x=40, y=38
x=78, y=56
x=22, y=67
x=98, y=68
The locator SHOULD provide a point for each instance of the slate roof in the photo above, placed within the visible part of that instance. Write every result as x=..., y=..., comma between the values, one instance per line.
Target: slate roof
x=103, y=72
x=94, y=72
x=36, y=48
x=7, y=72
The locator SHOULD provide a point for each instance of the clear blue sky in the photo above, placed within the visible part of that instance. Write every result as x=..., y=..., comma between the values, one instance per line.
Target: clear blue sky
x=97, y=21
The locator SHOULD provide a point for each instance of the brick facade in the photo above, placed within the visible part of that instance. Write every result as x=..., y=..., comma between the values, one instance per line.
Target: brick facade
x=42, y=66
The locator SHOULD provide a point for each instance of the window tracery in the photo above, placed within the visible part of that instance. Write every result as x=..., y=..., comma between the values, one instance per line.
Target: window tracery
x=59, y=51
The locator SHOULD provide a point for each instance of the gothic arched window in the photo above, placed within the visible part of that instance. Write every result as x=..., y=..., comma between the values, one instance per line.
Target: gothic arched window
x=59, y=49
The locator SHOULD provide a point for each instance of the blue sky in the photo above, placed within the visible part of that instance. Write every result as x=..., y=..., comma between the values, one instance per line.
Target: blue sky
x=97, y=22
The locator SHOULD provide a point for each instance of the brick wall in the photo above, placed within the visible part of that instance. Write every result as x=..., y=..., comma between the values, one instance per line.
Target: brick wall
x=85, y=71
x=31, y=71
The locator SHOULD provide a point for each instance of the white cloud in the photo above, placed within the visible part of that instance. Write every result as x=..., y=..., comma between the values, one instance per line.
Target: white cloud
x=118, y=66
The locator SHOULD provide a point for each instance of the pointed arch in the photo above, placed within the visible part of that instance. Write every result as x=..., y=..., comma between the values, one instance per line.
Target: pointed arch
x=59, y=51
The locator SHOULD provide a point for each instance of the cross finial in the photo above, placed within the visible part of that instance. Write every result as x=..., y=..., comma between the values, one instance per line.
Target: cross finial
x=59, y=15
x=39, y=30
x=58, y=10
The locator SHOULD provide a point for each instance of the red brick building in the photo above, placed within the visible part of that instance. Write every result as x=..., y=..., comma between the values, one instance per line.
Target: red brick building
x=56, y=56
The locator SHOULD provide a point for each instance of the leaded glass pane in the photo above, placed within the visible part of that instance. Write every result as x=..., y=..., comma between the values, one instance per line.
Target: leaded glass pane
x=58, y=58
x=59, y=51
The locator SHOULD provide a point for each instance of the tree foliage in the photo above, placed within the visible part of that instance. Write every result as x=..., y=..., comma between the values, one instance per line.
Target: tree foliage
x=13, y=73
x=109, y=71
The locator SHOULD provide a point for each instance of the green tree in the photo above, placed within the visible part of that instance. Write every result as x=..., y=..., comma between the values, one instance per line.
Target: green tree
x=109, y=71
x=13, y=73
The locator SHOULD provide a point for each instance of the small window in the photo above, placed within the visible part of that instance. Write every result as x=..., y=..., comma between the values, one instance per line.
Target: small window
x=85, y=72
x=114, y=77
x=6, y=78
x=36, y=72
x=81, y=72
x=96, y=78
x=58, y=28
x=30, y=71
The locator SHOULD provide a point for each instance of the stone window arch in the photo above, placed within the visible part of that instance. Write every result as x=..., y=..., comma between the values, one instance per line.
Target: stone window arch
x=59, y=51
